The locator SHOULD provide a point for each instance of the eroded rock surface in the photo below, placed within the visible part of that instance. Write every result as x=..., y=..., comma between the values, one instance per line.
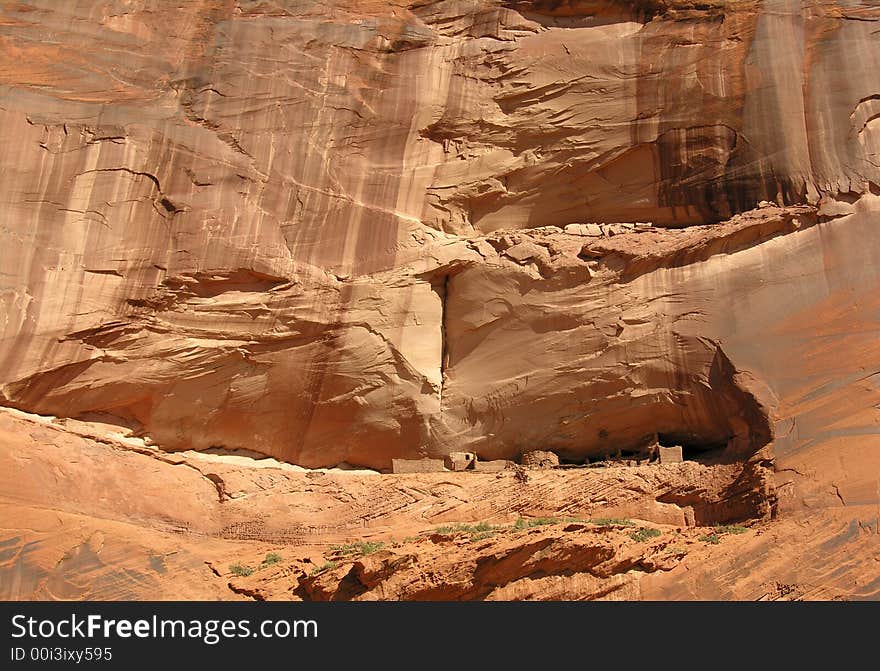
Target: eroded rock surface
x=352, y=232
x=309, y=230
x=87, y=516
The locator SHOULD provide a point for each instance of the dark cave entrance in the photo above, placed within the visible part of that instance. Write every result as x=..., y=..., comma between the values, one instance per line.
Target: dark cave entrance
x=715, y=415
x=693, y=448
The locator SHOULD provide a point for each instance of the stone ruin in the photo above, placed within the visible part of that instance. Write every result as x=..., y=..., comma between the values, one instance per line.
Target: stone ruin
x=651, y=453
x=454, y=461
x=539, y=459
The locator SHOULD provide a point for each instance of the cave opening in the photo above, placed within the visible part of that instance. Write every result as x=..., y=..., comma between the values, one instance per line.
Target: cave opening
x=694, y=448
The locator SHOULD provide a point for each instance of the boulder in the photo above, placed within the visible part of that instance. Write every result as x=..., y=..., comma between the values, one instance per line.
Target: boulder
x=539, y=459
x=591, y=230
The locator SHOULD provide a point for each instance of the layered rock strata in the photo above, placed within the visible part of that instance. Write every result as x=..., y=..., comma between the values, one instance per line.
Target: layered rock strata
x=334, y=233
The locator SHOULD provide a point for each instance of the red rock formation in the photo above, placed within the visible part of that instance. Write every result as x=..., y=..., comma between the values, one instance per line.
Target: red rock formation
x=87, y=515
x=340, y=232
x=271, y=228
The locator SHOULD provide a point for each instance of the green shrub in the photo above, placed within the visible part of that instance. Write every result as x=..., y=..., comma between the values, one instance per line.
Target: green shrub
x=721, y=529
x=612, y=521
x=481, y=535
x=241, y=570
x=475, y=532
x=529, y=522
x=358, y=549
x=644, y=534
x=329, y=566
x=347, y=549
x=464, y=528
x=734, y=529
x=369, y=547
x=271, y=558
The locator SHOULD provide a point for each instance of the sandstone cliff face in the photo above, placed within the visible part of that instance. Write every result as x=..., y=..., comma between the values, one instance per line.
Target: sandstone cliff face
x=321, y=231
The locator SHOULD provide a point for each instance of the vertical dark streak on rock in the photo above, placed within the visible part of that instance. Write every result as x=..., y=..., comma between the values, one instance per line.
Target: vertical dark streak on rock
x=443, y=293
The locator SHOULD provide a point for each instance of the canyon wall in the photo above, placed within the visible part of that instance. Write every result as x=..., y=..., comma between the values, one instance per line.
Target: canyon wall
x=334, y=232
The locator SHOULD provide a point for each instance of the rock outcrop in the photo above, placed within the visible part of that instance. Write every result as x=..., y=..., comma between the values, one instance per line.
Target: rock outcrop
x=318, y=232
x=87, y=515
x=348, y=233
